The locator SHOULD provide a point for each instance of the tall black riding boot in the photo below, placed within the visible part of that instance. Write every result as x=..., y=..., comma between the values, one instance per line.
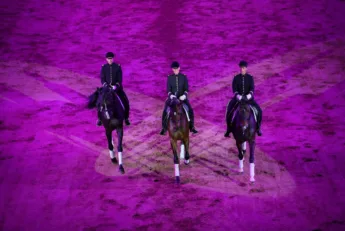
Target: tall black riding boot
x=191, y=122
x=228, y=124
x=125, y=102
x=259, y=132
x=164, y=123
x=228, y=130
x=99, y=122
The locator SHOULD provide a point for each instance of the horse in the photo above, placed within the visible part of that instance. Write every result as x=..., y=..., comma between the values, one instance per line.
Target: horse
x=111, y=112
x=178, y=128
x=244, y=130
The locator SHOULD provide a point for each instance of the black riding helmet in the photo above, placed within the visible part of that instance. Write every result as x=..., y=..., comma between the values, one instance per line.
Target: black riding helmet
x=243, y=64
x=109, y=55
x=175, y=64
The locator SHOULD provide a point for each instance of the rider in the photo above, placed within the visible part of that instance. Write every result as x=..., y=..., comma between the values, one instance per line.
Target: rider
x=177, y=86
x=111, y=74
x=243, y=89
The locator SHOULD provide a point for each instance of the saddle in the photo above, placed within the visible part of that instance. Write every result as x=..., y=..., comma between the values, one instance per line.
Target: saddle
x=185, y=109
x=254, y=110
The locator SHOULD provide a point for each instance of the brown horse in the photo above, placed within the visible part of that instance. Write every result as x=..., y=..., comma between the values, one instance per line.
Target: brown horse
x=178, y=128
x=244, y=130
x=111, y=113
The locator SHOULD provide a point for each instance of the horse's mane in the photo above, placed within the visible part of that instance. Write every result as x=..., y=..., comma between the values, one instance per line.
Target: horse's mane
x=92, y=99
x=96, y=98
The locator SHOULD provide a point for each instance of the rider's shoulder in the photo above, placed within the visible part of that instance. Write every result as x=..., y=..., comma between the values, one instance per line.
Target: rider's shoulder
x=117, y=64
x=182, y=75
x=250, y=76
x=236, y=76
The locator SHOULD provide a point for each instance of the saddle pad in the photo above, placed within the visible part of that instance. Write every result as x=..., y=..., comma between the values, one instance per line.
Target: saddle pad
x=254, y=110
x=185, y=109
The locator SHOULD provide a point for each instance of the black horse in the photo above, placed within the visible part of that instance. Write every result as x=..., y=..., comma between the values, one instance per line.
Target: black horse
x=178, y=128
x=112, y=113
x=244, y=130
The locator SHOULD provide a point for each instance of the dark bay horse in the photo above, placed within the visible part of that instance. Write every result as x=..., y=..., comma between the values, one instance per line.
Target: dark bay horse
x=111, y=112
x=178, y=128
x=244, y=130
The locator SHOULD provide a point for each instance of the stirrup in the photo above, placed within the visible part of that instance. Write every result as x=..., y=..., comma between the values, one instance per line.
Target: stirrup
x=259, y=132
x=99, y=123
x=193, y=130
x=163, y=132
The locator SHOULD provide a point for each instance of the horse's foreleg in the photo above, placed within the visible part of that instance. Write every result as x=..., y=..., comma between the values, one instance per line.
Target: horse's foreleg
x=186, y=147
x=182, y=151
x=119, y=132
x=176, y=160
x=251, y=160
x=110, y=146
x=240, y=156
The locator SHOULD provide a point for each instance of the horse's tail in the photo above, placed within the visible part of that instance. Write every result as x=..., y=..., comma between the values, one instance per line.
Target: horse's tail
x=92, y=100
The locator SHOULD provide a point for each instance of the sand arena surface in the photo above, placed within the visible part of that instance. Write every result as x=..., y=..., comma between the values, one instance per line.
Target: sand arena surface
x=55, y=172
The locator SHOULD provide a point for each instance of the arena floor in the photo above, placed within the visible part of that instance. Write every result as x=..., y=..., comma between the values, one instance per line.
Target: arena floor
x=55, y=171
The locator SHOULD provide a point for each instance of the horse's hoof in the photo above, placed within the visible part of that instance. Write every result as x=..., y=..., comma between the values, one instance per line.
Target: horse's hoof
x=252, y=181
x=121, y=169
x=240, y=171
x=177, y=180
x=186, y=162
x=114, y=160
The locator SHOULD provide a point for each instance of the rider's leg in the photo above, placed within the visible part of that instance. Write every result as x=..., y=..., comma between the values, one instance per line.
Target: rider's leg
x=191, y=117
x=259, y=119
x=99, y=122
x=228, y=118
x=164, y=120
x=125, y=102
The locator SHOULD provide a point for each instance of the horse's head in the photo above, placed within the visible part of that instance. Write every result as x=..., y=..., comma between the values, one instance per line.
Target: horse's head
x=175, y=106
x=106, y=96
x=244, y=113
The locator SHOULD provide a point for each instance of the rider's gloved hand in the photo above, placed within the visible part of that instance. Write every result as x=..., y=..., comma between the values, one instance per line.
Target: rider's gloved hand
x=172, y=96
x=114, y=87
x=249, y=96
x=239, y=97
x=183, y=97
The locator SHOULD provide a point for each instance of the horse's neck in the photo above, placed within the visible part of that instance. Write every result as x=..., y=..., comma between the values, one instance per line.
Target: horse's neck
x=238, y=118
x=179, y=114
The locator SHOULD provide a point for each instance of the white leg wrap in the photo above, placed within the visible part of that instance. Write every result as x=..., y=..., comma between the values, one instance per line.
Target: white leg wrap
x=244, y=146
x=177, y=170
x=120, y=158
x=252, y=172
x=182, y=151
x=240, y=165
x=111, y=153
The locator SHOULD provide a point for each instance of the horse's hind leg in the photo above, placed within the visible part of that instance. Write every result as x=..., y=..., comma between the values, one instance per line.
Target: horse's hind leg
x=176, y=160
x=240, y=156
x=186, y=149
x=119, y=132
x=110, y=146
x=251, y=160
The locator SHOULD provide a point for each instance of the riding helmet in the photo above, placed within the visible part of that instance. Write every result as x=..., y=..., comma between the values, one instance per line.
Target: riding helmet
x=175, y=64
x=109, y=55
x=243, y=63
